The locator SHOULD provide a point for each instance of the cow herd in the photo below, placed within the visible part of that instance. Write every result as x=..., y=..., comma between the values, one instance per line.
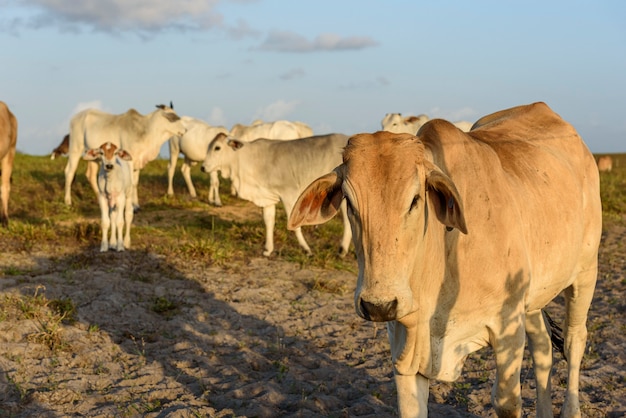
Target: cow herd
x=463, y=233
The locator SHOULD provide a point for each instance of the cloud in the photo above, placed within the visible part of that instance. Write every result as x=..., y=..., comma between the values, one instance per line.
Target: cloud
x=217, y=117
x=143, y=17
x=277, y=110
x=365, y=84
x=293, y=73
x=283, y=41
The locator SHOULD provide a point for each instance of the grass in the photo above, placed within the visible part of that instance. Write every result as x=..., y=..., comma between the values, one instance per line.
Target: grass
x=176, y=227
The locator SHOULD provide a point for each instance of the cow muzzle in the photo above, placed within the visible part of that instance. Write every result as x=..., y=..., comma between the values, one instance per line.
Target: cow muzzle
x=378, y=311
x=108, y=167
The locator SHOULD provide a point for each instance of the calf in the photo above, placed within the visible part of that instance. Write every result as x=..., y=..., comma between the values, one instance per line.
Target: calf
x=115, y=188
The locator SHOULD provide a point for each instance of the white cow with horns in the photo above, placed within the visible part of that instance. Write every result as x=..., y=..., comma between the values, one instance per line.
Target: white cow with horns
x=140, y=135
x=463, y=238
x=267, y=172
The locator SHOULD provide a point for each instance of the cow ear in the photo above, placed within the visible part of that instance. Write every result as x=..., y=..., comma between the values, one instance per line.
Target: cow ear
x=92, y=154
x=318, y=203
x=446, y=200
x=124, y=155
x=235, y=144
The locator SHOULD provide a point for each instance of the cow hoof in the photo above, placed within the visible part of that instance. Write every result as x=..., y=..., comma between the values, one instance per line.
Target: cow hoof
x=267, y=253
x=343, y=252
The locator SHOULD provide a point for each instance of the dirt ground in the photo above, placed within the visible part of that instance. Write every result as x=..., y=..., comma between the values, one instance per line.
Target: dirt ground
x=154, y=337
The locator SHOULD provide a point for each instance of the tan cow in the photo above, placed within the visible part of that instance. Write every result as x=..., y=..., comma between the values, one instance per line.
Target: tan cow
x=605, y=163
x=8, y=139
x=463, y=238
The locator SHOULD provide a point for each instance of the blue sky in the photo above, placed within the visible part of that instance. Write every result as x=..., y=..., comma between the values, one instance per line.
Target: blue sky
x=337, y=65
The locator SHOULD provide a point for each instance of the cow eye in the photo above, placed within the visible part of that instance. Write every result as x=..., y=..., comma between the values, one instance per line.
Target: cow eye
x=217, y=148
x=414, y=203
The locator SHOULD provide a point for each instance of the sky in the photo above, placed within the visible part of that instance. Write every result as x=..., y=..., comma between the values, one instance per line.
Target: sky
x=337, y=65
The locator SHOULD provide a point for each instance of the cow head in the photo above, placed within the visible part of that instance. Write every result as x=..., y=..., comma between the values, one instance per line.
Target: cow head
x=219, y=153
x=393, y=190
x=107, y=153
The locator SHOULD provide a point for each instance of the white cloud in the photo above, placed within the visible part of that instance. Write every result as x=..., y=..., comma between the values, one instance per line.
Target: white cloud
x=293, y=73
x=113, y=16
x=217, y=117
x=284, y=41
x=277, y=110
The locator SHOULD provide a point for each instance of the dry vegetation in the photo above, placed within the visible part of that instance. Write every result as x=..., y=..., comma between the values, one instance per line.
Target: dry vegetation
x=192, y=321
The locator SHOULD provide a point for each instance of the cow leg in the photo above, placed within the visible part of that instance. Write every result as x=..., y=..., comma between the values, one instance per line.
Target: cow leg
x=118, y=218
x=508, y=346
x=214, y=189
x=6, y=169
x=298, y=231
x=128, y=220
x=540, y=347
x=412, y=396
x=171, y=167
x=269, y=217
x=186, y=170
x=577, y=301
x=135, y=197
x=70, y=172
x=105, y=223
x=92, y=175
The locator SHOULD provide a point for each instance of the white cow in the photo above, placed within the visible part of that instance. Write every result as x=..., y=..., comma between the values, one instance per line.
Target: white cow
x=140, y=135
x=266, y=172
x=396, y=123
x=463, y=238
x=194, y=145
x=280, y=129
x=115, y=187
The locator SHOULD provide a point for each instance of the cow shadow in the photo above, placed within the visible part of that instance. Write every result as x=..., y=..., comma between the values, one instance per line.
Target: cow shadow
x=146, y=339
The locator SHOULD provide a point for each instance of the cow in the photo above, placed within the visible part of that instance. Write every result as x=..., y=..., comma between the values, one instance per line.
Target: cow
x=194, y=145
x=462, y=239
x=115, y=193
x=268, y=171
x=605, y=163
x=62, y=149
x=281, y=129
x=8, y=141
x=140, y=135
x=394, y=122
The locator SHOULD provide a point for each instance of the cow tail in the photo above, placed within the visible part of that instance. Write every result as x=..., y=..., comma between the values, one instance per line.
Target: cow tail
x=556, y=335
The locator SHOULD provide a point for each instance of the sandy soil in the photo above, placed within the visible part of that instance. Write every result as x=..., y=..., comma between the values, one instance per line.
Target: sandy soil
x=261, y=338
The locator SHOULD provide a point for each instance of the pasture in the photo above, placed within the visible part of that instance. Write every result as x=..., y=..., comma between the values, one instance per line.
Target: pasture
x=193, y=322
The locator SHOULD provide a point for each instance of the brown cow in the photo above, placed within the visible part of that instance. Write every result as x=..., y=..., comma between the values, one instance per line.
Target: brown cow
x=8, y=139
x=605, y=163
x=463, y=238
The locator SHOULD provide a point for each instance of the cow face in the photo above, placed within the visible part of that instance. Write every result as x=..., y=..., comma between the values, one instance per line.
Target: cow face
x=400, y=205
x=219, y=153
x=107, y=154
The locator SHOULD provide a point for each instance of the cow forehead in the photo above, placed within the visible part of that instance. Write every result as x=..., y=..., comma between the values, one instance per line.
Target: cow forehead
x=108, y=150
x=383, y=160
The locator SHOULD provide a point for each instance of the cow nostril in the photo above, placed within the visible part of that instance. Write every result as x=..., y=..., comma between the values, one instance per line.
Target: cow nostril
x=379, y=312
x=108, y=166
